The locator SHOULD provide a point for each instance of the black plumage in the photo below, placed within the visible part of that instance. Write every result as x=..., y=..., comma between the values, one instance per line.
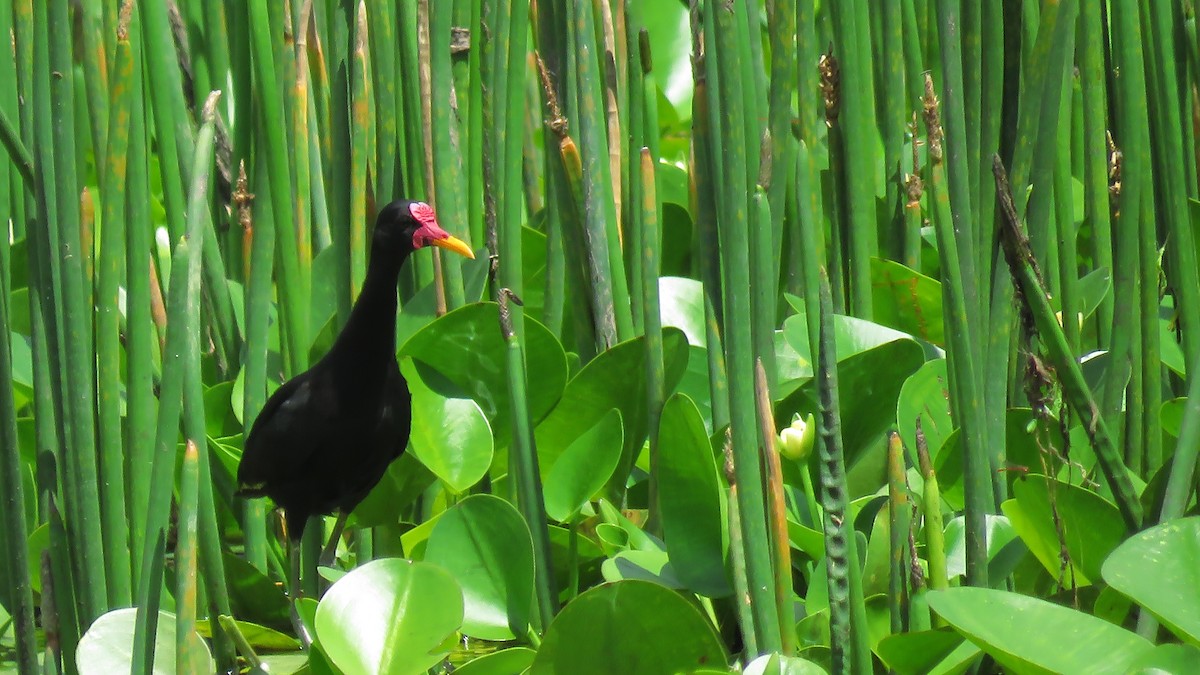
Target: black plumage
x=327, y=436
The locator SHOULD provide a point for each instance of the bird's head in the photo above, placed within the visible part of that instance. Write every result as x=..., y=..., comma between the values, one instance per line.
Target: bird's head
x=405, y=226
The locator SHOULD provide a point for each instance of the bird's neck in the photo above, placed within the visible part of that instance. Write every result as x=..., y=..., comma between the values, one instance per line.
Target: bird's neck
x=370, y=333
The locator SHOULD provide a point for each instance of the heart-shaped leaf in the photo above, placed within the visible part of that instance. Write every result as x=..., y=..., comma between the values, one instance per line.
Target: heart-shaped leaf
x=614, y=379
x=1172, y=590
x=390, y=616
x=503, y=662
x=583, y=468
x=1030, y=635
x=450, y=434
x=629, y=627
x=692, y=499
x=466, y=347
x=107, y=646
x=483, y=541
x=1091, y=527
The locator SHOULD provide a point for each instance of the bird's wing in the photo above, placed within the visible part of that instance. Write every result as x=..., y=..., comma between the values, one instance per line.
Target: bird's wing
x=293, y=424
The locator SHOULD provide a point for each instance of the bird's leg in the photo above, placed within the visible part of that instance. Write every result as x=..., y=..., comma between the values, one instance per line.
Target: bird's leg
x=295, y=592
x=329, y=553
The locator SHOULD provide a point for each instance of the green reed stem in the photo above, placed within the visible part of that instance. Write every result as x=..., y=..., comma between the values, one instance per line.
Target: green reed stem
x=857, y=164
x=450, y=198
x=185, y=554
x=261, y=226
x=83, y=501
x=1168, y=156
x=293, y=289
x=523, y=466
x=931, y=509
x=733, y=229
x=979, y=496
x=182, y=343
x=1096, y=214
x=598, y=210
x=899, y=523
x=648, y=248
x=141, y=345
x=59, y=584
x=95, y=72
x=1130, y=116
x=17, y=151
x=12, y=501
x=111, y=263
x=360, y=111
x=172, y=127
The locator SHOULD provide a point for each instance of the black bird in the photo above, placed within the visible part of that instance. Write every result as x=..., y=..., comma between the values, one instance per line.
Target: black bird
x=327, y=436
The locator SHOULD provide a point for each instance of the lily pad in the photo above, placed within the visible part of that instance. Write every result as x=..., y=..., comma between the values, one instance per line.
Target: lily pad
x=466, y=347
x=628, y=627
x=1030, y=635
x=583, y=468
x=692, y=500
x=390, y=616
x=1172, y=591
x=450, y=434
x=107, y=646
x=484, y=543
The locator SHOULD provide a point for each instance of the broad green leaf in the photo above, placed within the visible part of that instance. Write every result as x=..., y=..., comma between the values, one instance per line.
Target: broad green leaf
x=614, y=379
x=778, y=664
x=107, y=646
x=1030, y=635
x=583, y=468
x=628, y=627
x=405, y=480
x=1091, y=289
x=504, y=662
x=692, y=499
x=807, y=540
x=1026, y=439
x=37, y=542
x=466, y=347
x=585, y=552
x=258, y=637
x=907, y=300
x=999, y=533
x=645, y=565
x=853, y=335
x=390, y=616
x=925, y=394
x=484, y=543
x=1091, y=527
x=676, y=223
x=254, y=597
x=670, y=40
x=1157, y=568
x=294, y=663
x=695, y=385
x=421, y=310
x=681, y=305
x=927, y=652
x=533, y=272
x=450, y=434
x=1166, y=659
x=218, y=413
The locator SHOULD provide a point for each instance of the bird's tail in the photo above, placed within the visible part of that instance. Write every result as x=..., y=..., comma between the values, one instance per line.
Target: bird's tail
x=251, y=491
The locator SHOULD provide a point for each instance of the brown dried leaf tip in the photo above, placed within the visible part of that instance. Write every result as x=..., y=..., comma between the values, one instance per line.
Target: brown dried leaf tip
x=831, y=85
x=1115, y=161
x=914, y=187
x=933, y=122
